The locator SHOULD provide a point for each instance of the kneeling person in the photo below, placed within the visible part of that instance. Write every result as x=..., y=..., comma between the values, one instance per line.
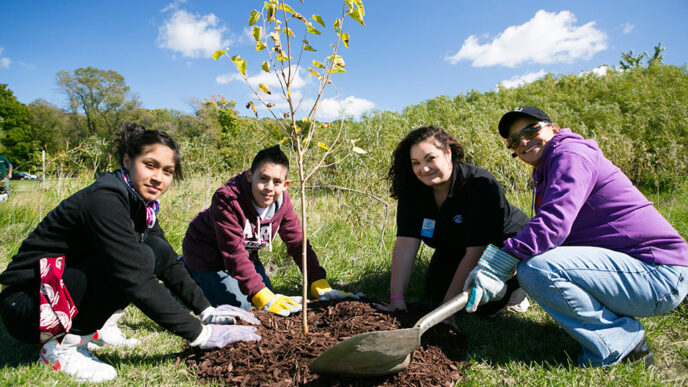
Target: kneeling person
x=222, y=242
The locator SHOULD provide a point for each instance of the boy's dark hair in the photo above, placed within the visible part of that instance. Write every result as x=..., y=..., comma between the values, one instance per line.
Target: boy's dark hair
x=270, y=155
x=134, y=137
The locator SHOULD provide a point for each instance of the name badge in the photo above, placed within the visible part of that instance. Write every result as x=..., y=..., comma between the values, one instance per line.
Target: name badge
x=428, y=228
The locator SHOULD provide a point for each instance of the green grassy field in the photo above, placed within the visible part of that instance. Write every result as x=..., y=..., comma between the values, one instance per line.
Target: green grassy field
x=354, y=243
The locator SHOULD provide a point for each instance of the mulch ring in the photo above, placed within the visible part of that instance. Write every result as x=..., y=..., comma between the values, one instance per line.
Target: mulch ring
x=282, y=356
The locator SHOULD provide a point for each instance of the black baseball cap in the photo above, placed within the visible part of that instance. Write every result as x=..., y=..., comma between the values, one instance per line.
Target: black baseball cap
x=523, y=111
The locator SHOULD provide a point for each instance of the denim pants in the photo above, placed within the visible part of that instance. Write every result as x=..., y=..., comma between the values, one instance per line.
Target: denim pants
x=595, y=295
x=220, y=288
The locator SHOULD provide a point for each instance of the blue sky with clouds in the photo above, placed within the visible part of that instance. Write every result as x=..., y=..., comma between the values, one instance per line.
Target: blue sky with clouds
x=409, y=51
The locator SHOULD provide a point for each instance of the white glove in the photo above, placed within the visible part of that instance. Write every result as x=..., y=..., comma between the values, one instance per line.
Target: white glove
x=487, y=278
x=227, y=314
x=219, y=336
x=322, y=290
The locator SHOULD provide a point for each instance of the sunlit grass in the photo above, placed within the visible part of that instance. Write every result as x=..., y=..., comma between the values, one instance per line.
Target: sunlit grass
x=346, y=231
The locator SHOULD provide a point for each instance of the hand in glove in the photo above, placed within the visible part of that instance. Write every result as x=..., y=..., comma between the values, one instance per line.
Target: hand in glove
x=276, y=303
x=219, y=336
x=488, y=277
x=321, y=290
x=227, y=314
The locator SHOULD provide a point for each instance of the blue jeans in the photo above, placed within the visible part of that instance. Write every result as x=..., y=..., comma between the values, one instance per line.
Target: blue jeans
x=595, y=295
x=220, y=288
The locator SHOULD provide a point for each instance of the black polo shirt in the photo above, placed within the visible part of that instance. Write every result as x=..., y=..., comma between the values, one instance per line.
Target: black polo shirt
x=475, y=213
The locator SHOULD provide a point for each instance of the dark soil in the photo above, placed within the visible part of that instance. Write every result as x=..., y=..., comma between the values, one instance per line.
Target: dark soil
x=282, y=356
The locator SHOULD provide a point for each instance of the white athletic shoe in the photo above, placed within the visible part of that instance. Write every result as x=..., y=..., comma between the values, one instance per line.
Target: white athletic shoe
x=111, y=335
x=72, y=357
x=518, y=302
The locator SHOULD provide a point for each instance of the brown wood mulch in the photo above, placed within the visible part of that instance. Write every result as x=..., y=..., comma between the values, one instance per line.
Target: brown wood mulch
x=282, y=357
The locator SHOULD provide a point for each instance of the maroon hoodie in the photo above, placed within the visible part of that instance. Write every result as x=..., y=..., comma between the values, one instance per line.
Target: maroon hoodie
x=225, y=236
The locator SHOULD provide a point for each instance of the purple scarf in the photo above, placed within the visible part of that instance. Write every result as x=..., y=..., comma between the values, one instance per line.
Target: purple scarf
x=152, y=208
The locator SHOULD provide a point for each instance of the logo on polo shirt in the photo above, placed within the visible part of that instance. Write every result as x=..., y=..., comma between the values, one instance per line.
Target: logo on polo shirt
x=428, y=228
x=458, y=219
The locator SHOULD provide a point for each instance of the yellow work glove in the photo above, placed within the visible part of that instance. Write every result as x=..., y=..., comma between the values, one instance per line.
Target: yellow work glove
x=321, y=290
x=276, y=303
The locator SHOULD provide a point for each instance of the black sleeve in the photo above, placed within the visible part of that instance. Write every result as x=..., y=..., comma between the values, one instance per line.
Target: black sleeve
x=173, y=273
x=409, y=218
x=484, y=213
x=120, y=253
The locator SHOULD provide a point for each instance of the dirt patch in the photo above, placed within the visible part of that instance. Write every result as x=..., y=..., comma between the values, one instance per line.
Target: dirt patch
x=283, y=355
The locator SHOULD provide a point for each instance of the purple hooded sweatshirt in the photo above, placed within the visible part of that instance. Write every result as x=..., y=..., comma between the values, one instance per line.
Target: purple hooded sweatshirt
x=582, y=199
x=226, y=235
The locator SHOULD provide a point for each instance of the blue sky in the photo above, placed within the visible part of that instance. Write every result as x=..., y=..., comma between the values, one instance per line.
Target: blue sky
x=409, y=51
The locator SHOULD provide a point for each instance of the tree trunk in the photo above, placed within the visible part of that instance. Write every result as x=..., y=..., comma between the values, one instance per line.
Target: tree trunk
x=304, y=244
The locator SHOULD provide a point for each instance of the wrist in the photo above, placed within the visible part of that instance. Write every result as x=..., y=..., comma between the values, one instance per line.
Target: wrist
x=320, y=286
x=262, y=298
x=206, y=313
x=202, y=337
x=498, y=262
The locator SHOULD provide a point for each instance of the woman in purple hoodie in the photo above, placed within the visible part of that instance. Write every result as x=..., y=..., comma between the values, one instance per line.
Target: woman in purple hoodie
x=596, y=254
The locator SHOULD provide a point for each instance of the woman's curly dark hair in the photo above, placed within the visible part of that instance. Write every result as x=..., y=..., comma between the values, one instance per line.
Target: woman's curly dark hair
x=134, y=137
x=401, y=175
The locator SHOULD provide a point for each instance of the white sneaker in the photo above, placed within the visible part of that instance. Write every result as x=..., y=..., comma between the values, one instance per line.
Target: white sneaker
x=518, y=302
x=111, y=335
x=72, y=357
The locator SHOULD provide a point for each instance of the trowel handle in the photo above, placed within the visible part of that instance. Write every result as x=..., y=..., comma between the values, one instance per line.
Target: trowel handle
x=442, y=312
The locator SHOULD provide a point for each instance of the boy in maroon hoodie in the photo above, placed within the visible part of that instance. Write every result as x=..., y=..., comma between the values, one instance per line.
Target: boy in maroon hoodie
x=222, y=242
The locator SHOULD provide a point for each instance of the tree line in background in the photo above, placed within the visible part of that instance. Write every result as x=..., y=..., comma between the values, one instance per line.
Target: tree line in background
x=636, y=113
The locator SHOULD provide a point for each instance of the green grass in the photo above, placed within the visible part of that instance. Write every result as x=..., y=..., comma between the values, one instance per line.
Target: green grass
x=345, y=229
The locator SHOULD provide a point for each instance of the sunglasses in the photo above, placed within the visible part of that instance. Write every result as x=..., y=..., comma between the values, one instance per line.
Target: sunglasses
x=529, y=132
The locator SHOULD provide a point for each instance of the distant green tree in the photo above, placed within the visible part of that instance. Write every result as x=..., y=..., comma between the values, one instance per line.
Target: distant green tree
x=630, y=61
x=17, y=143
x=49, y=126
x=102, y=96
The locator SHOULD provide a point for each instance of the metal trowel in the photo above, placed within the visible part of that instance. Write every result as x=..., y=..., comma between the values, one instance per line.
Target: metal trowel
x=382, y=352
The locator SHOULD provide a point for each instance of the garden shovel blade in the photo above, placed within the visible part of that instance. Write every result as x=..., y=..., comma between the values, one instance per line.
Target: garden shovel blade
x=382, y=352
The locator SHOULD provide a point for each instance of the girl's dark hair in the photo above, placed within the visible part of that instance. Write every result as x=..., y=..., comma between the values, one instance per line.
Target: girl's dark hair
x=134, y=137
x=401, y=176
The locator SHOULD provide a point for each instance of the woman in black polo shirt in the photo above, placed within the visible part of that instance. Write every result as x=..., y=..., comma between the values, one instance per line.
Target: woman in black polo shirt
x=454, y=207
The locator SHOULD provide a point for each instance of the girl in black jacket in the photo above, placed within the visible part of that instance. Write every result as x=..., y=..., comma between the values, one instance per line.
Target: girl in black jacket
x=102, y=249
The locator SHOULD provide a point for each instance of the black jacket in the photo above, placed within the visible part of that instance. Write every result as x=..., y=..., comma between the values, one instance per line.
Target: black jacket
x=106, y=221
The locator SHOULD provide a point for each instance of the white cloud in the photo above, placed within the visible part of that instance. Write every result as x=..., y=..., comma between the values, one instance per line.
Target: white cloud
x=173, y=6
x=4, y=62
x=269, y=79
x=628, y=27
x=192, y=35
x=333, y=108
x=328, y=109
x=521, y=80
x=546, y=38
x=600, y=71
x=226, y=78
x=27, y=66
